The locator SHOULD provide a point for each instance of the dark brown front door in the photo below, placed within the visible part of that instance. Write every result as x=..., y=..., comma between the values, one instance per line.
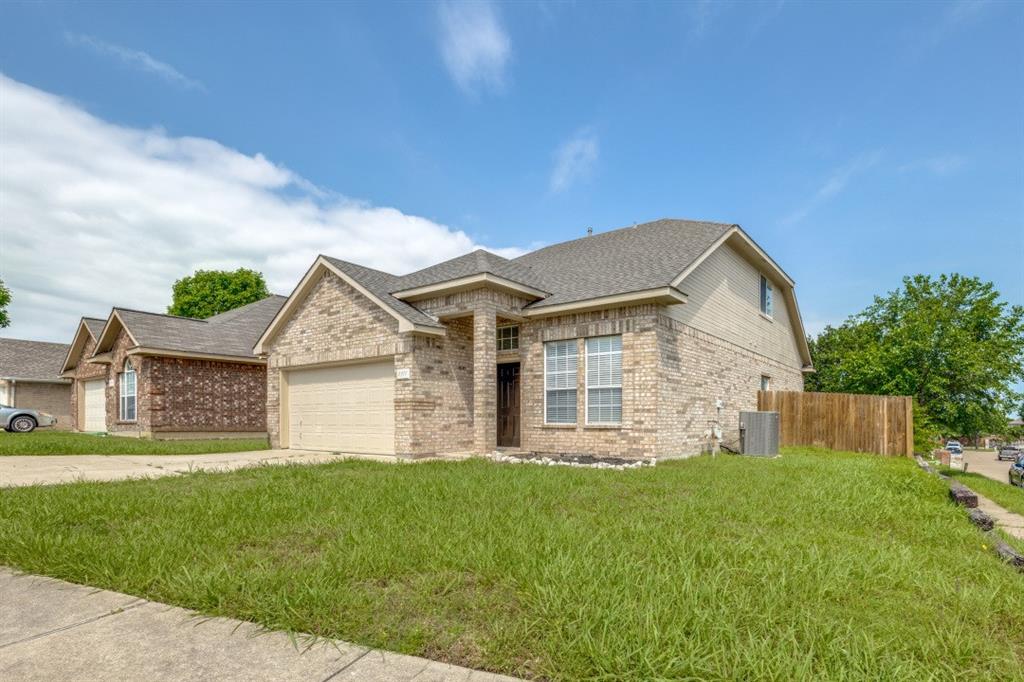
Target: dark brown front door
x=508, y=405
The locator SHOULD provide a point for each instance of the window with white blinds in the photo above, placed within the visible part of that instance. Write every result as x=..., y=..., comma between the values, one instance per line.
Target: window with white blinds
x=560, y=363
x=604, y=380
x=127, y=391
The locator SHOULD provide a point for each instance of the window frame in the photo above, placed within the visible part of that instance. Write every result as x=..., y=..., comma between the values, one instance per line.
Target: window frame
x=766, y=298
x=766, y=382
x=512, y=338
x=574, y=343
x=122, y=396
x=586, y=379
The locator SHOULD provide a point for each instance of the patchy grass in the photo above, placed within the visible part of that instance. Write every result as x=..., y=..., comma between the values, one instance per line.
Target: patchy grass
x=816, y=565
x=1005, y=495
x=43, y=442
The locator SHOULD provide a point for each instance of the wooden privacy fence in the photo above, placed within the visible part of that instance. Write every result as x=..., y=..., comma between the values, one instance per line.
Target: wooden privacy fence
x=883, y=424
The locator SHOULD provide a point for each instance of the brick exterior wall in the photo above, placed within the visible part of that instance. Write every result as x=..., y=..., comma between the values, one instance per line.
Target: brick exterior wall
x=52, y=399
x=671, y=373
x=83, y=371
x=186, y=395
x=696, y=370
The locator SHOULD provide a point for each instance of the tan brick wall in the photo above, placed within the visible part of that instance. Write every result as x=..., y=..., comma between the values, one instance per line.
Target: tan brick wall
x=206, y=396
x=696, y=370
x=636, y=436
x=53, y=399
x=334, y=324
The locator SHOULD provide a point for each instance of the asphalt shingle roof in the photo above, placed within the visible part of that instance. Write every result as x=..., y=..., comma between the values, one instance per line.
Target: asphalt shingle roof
x=621, y=261
x=32, y=360
x=232, y=333
x=94, y=325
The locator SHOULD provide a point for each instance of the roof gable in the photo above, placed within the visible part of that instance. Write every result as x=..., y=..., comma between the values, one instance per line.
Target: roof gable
x=89, y=328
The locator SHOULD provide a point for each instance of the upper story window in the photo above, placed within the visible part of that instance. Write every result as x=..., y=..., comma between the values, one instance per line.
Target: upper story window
x=766, y=296
x=766, y=382
x=604, y=380
x=508, y=337
x=126, y=390
x=560, y=363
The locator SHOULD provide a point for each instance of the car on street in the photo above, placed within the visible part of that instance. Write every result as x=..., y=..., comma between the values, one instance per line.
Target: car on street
x=23, y=420
x=1009, y=452
x=1017, y=471
x=954, y=446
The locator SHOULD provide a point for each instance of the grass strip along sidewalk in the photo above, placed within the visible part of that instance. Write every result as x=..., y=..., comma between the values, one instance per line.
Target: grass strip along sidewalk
x=63, y=443
x=815, y=565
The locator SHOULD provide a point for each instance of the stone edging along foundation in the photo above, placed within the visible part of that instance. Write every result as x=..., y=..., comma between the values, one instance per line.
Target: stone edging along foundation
x=964, y=496
x=589, y=461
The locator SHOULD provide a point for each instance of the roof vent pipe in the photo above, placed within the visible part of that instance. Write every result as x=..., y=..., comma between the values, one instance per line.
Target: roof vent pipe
x=590, y=231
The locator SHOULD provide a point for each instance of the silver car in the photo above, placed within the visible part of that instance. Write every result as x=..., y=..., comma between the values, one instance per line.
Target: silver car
x=23, y=420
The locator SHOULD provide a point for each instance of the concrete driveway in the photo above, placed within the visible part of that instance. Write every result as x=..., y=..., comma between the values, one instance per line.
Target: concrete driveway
x=984, y=462
x=48, y=469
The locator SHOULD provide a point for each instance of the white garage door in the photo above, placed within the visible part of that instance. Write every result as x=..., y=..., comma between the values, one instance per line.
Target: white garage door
x=95, y=406
x=345, y=409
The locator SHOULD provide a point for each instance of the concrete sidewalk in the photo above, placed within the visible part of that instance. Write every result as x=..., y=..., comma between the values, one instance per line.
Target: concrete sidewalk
x=51, y=630
x=18, y=470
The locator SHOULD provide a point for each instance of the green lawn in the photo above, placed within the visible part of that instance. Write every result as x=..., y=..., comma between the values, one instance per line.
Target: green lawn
x=815, y=565
x=44, y=442
x=1008, y=496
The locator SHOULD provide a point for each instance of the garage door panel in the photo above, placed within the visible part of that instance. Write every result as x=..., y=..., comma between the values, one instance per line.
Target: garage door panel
x=348, y=409
x=95, y=405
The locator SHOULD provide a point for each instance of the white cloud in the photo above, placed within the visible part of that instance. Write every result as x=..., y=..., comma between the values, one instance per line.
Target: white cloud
x=134, y=58
x=94, y=214
x=474, y=45
x=835, y=184
x=574, y=160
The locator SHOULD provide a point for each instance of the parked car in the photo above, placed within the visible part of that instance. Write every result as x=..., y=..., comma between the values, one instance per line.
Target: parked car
x=954, y=446
x=1017, y=471
x=23, y=420
x=1009, y=452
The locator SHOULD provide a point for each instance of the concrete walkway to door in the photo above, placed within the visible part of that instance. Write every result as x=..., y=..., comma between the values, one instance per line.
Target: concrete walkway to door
x=53, y=630
x=18, y=470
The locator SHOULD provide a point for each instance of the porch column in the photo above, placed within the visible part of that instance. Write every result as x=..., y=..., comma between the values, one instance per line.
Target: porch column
x=485, y=384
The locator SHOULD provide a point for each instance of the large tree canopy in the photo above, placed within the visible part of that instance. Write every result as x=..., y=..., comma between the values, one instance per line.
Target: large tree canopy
x=209, y=292
x=949, y=342
x=5, y=300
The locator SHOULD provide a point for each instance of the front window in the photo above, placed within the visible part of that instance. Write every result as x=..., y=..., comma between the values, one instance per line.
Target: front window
x=766, y=383
x=766, y=296
x=127, y=392
x=508, y=337
x=604, y=380
x=560, y=362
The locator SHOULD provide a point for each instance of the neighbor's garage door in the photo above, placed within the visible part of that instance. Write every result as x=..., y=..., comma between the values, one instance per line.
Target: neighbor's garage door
x=95, y=406
x=347, y=409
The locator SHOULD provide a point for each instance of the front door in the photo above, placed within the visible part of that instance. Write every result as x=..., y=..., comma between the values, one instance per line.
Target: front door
x=508, y=405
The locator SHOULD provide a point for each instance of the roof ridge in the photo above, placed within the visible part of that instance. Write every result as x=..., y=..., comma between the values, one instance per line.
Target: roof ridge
x=358, y=265
x=52, y=343
x=146, y=312
x=634, y=226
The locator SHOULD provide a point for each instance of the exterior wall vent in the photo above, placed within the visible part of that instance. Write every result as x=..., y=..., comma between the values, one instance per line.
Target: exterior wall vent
x=759, y=433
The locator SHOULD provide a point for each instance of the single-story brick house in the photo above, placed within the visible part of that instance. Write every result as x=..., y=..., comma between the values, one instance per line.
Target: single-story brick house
x=616, y=344
x=30, y=377
x=149, y=374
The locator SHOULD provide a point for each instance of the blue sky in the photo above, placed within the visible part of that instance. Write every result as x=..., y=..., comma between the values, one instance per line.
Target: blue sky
x=856, y=142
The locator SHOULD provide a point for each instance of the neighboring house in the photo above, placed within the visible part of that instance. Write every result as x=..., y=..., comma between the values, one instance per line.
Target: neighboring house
x=147, y=374
x=616, y=344
x=30, y=377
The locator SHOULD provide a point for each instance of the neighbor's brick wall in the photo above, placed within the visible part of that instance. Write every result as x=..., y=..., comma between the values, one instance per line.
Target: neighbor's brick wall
x=186, y=395
x=636, y=437
x=53, y=399
x=119, y=353
x=84, y=371
x=696, y=370
x=335, y=323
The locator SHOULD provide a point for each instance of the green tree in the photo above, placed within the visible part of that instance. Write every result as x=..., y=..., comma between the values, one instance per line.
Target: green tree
x=206, y=293
x=5, y=300
x=950, y=342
